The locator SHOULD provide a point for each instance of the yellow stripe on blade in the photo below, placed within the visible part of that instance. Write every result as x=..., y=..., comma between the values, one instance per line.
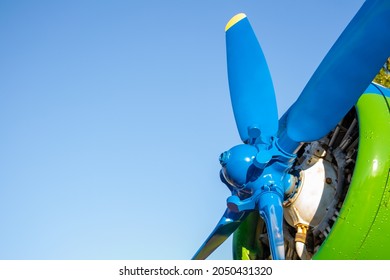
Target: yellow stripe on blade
x=234, y=20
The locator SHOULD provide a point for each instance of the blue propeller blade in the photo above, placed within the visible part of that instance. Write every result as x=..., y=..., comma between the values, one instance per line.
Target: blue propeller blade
x=251, y=89
x=271, y=210
x=229, y=222
x=343, y=75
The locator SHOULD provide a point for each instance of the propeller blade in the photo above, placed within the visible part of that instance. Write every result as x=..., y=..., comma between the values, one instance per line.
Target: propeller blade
x=229, y=222
x=251, y=89
x=343, y=75
x=271, y=210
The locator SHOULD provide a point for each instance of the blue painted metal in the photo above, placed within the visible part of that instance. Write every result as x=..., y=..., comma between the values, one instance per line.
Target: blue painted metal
x=258, y=178
x=258, y=175
x=271, y=210
x=343, y=75
x=253, y=170
x=229, y=222
x=251, y=89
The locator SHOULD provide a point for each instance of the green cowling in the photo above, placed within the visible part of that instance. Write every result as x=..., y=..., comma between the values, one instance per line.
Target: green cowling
x=362, y=230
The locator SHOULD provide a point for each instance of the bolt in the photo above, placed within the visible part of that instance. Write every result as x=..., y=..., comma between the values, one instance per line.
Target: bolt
x=223, y=158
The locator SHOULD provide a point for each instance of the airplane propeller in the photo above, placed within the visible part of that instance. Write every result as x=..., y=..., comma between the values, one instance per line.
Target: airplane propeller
x=258, y=171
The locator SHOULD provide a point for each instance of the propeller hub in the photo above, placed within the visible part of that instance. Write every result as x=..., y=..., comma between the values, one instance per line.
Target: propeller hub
x=258, y=177
x=256, y=167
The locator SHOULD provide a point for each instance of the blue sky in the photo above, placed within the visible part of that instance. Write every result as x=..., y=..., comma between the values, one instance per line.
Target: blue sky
x=113, y=115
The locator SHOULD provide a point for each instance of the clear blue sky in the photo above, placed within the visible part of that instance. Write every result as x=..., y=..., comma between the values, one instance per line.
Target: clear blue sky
x=113, y=115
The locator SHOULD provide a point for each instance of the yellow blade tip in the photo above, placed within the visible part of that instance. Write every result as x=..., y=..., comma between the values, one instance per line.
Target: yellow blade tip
x=234, y=20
